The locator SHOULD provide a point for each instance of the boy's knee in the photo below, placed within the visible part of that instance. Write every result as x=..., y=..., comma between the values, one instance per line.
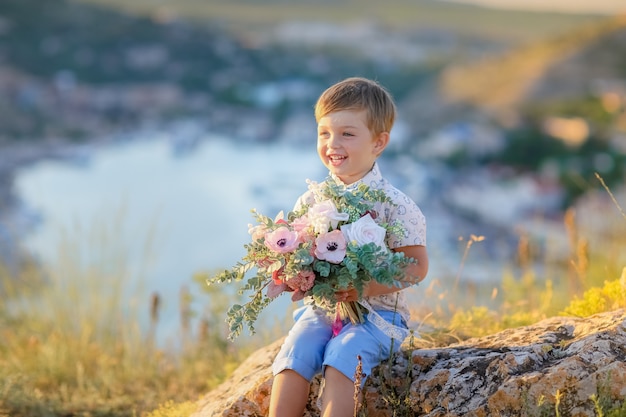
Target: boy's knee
x=332, y=374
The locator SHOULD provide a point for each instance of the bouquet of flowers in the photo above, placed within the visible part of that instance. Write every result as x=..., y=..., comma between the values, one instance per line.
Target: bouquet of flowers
x=330, y=244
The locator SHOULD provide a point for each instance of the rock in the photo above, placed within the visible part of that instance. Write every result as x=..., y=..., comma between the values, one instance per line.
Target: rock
x=247, y=391
x=559, y=363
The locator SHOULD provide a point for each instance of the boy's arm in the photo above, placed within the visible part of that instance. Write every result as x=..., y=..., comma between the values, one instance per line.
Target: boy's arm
x=414, y=274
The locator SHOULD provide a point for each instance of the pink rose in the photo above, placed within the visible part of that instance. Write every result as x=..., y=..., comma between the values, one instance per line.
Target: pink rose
x=302, y=282
x=301, y=223
x=282, y=240
x=331, y=247
x=303, y=226
x=324, y=216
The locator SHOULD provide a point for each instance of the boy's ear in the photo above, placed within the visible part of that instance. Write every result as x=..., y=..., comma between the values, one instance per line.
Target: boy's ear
x=380, y=143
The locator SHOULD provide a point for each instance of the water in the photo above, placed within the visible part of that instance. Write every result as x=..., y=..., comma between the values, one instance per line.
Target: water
x=197, y=204
x=193, y=207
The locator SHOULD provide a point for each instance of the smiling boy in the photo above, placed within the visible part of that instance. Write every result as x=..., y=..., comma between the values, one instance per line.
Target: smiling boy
x=354, y=119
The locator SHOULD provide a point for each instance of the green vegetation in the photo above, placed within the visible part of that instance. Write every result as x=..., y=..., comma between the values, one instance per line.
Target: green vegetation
x=96, y=44
x=596, y=300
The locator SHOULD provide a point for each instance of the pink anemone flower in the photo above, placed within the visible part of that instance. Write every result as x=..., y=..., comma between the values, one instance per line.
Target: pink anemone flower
x=282, y=240
x=331, y=246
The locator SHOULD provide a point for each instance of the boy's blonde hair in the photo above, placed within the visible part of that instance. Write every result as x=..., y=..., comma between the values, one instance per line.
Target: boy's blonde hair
x=358, y=93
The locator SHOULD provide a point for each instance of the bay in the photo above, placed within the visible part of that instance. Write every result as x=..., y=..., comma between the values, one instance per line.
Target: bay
x=194, y=208
x=168, y=208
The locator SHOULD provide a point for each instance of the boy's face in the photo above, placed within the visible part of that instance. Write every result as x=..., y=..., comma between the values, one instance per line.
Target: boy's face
x=346, y=146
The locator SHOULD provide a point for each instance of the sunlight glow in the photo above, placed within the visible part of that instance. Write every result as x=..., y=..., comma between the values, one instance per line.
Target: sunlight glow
x=566, y=6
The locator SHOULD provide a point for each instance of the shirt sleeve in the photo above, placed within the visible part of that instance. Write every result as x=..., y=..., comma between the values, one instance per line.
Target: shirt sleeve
x=409, y=215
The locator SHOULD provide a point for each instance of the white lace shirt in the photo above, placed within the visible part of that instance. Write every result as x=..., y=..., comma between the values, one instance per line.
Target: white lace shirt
x=403, y=210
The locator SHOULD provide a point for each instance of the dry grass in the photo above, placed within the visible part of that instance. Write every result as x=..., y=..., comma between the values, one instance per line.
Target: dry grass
x=71, y=342
x=586, y=277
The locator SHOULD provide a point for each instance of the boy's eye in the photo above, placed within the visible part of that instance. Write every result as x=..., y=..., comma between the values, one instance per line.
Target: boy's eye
x=347, y=134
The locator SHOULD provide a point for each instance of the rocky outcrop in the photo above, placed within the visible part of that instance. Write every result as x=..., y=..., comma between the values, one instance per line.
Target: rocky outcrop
x=556, y=364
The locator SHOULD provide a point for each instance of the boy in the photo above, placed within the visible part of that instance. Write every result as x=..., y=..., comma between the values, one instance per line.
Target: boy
x=354, y=118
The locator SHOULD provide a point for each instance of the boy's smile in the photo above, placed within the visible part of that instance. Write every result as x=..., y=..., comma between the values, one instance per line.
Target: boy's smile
x=346, y=145
x=336, y=159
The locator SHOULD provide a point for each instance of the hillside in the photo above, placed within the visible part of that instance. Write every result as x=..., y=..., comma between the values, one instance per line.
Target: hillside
x=564, y=67
x=252, y=17
x=559, y=105
x=76, y=70
x=608, y=7
x=80, y=68
x=565, y=75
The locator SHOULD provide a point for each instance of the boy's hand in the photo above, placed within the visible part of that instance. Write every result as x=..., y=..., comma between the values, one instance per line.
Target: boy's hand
x=349, y=294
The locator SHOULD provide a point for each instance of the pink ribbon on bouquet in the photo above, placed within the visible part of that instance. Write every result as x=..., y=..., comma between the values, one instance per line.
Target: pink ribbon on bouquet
x=337, y=324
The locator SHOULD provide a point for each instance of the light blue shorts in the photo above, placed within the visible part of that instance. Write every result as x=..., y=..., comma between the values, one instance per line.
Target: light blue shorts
x=310, y=345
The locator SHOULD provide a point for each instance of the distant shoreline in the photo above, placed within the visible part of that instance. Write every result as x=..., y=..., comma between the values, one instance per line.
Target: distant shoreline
x=13, y=222
x=19, y=155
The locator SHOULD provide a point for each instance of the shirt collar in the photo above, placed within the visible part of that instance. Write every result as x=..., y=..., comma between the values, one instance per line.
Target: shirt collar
x=373, y=178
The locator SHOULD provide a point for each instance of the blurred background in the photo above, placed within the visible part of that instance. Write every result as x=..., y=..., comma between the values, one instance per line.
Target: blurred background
x=136, y=135
x=164, y=123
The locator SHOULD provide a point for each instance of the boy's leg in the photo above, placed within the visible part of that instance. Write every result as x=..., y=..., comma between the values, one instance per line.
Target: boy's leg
x=339, y=400
x=299, y=359
x=290, y=393
x=364, y=343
